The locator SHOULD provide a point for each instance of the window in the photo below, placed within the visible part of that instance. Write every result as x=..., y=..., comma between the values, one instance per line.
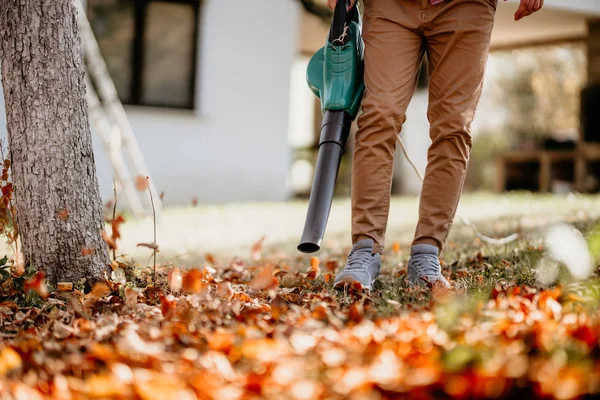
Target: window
x=150, y=49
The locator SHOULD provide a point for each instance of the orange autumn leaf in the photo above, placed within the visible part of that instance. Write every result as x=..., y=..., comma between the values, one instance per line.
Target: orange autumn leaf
x=328, y=278
x=332, y=266
x=356, y=313
x=37, y=284
x=65, y=286
x=115, y=225
x=7, y=190
x=141, y=183
x=314, y=268
x=256, y=250
x=167, y=303
x=221, y=341
x=99, y=290
x=193, y=282
x=110, y=242
x=63, y=214
x=210, y=258
x=265, y=279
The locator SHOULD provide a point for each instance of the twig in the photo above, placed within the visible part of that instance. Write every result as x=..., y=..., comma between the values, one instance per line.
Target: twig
x=114, y=216
x=154, y=220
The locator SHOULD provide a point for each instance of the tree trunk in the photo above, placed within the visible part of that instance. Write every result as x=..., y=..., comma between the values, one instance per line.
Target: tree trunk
x=59, y=210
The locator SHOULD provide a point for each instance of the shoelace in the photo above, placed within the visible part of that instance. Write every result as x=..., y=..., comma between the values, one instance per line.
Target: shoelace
x=426, y=264
x=359, y=260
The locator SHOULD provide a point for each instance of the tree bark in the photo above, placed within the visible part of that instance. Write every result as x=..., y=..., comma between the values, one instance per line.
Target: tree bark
x=59, y=210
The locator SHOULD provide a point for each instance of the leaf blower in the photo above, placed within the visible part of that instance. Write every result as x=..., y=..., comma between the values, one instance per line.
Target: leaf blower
x=335, y=76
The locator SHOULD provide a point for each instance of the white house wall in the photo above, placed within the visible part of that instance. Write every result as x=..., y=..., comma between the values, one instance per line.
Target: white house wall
x=234, y=146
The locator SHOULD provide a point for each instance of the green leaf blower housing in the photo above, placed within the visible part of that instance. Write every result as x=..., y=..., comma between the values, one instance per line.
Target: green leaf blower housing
x=335, y=75
x=335, y=72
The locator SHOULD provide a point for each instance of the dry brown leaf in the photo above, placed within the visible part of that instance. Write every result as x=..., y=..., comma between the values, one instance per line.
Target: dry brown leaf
x=265, y=279
x=225, y=291
x=152, y=246
x=115, y=225
x=131, y=297
x=110, y=242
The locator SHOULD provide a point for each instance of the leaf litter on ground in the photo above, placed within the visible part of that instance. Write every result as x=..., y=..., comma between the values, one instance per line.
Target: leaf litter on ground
x=275, y=328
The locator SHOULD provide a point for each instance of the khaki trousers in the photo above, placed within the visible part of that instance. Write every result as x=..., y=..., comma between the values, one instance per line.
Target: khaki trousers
x=455, y=34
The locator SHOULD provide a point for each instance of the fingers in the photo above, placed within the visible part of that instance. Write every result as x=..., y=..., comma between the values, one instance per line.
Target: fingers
x=521, y=10
x=528, y=7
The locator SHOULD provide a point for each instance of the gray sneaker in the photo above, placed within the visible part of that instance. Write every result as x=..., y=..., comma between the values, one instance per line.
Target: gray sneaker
x=424, y=265
x=362, y=266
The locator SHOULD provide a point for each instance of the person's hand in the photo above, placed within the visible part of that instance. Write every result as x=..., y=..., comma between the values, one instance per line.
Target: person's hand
x=528, y=7
x=331, y=3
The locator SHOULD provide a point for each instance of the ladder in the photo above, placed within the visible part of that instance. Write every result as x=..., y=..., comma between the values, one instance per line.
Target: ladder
x=108, y=117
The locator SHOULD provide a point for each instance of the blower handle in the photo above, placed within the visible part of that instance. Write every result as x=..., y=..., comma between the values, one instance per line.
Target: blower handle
x=341, y=19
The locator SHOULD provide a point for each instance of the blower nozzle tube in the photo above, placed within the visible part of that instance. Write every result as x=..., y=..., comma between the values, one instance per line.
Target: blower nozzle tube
x=334, y=134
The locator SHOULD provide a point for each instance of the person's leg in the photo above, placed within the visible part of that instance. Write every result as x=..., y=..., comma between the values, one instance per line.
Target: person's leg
x=457, y=45
x=393, y=53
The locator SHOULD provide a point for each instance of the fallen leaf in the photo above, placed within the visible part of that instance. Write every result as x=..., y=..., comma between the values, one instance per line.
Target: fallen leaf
x=152, y=246
x=115, y=225
x=65, y=286
x=314, y=268
x=192, y=282
x=131, y=297
x=256, y=251
x=332, y=266
x=10, y=360
x=99, y=290
x=37, y=284
x=225, y=291
x=265, y=279
x=110, y=242
x=118, y=276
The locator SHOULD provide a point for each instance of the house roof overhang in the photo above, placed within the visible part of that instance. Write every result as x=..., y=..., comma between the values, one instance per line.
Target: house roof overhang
x=558, y=21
